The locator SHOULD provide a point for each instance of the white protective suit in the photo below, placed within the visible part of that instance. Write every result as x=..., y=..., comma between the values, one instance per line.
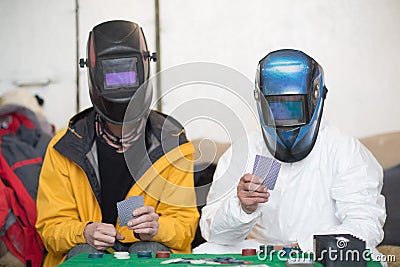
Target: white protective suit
x=335, y=189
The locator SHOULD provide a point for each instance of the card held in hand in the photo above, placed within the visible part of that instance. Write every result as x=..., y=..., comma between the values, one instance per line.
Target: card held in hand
x=268, y=169
x=127, y=206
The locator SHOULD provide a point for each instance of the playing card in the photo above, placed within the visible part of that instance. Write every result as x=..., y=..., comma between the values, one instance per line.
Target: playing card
x=255, y=167
x=126, y=207
x=268, y=169
x=176, y=260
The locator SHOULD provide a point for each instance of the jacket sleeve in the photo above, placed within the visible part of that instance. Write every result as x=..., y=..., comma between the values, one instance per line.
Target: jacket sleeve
x=177, y=207
x=57, y=222
x=222, y=220
x=356, y=189
x=357, y=193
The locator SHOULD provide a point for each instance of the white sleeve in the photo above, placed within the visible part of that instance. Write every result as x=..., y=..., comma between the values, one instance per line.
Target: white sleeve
x=222, y=220
x=356, y=190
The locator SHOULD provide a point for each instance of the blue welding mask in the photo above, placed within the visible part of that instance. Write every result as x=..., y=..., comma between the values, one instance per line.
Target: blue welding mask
x=290, y=94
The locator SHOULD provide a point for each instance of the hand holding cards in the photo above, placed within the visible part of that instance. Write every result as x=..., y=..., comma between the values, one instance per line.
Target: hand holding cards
x=268, y=169
x=144, y=227
x=249, y=190
x=127, y=206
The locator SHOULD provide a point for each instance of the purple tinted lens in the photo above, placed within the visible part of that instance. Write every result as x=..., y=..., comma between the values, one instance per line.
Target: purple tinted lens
x=121, y=78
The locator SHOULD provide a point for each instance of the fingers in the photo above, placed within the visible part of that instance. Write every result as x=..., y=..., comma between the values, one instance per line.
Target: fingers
x=146, y=215
x=106, y=229
x=251, y=192
x=143, y=210
x=252, y=198
x=251, y=178
x=144, y=220
x=252, y=187
x=119, y=236
x=101, y=235
x=252, y=183
x=256, y=197
x=146, y=224
x=104, y=235
x=146, y=227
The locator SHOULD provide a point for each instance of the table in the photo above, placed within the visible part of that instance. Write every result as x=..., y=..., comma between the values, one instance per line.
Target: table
x=134, y=261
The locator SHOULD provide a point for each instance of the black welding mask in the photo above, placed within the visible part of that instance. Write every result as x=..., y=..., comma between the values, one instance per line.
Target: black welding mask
x=118, y=71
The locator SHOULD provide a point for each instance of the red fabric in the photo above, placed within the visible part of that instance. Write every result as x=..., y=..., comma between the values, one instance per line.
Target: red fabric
x=21, y=238
x=5, y=206
x=26, y=162
x=15, y=122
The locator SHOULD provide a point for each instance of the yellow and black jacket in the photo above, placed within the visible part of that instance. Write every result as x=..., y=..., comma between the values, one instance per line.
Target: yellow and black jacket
x=69, y=191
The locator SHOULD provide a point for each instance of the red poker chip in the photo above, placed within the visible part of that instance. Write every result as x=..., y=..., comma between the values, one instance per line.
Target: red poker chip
x=249, y=252
x=163, y=254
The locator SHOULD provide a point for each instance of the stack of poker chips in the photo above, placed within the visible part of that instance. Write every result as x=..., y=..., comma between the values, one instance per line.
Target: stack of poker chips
x=249, y=252
x=144, y=254
x=163, y=254
x=95, y=255
x=121, y=255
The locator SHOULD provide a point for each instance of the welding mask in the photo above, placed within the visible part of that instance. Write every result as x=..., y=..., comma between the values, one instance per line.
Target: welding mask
x=290, y=93
x=118, y=70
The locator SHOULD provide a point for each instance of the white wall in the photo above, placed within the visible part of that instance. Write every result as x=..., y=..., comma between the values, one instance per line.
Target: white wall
x=37, y=44
x=356, y=42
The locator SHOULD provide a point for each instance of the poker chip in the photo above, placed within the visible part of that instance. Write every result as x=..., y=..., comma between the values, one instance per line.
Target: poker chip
x=287, y=250
x=236, y=262
x=200, y=261
x=121, y=255
x=249, y=252
x=163, y=254
x=224, y=259
x=95, y=255
x=144, y=254
x=290, y=249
